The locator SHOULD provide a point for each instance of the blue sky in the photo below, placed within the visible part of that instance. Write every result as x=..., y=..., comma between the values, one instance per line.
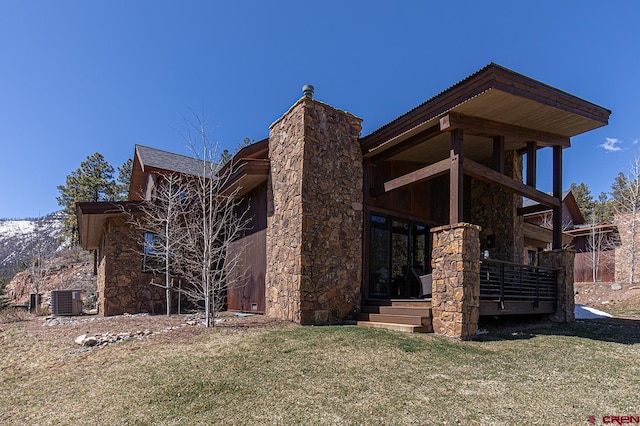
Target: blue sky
x=78, y=77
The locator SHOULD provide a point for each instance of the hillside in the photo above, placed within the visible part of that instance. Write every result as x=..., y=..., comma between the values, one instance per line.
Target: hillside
x=64, y=268
x=20, y=239
x=68, y=269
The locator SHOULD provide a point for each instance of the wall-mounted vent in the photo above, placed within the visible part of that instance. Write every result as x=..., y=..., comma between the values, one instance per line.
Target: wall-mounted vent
x=66, y=302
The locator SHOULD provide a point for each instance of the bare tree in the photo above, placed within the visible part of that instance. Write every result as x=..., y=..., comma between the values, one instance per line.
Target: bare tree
x=42, y=246
x=627, y=208
x=599, y=245
x=212, y=223
x=162, y=222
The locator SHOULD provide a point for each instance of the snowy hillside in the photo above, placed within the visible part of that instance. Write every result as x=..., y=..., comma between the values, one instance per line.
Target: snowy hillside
x=21, y=239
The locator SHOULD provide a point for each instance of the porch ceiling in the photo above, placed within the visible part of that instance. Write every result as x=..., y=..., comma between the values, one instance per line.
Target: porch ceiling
x=493, y=93
x=494, y=105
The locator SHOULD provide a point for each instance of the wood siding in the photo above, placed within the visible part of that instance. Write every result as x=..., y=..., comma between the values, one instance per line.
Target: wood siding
x=582, y=271
x=248, y=296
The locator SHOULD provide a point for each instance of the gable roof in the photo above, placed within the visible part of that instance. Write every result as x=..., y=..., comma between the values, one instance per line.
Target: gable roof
x=568, y=201
x=159, y=159
x=147, y=160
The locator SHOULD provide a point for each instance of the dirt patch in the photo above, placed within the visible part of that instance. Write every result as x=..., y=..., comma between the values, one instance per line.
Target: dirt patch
x=601, y=294
x=61, y=331
x=617, y=299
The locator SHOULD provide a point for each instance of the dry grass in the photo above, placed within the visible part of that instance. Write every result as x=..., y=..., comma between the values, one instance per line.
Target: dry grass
x=286, y=374
x=10, y=315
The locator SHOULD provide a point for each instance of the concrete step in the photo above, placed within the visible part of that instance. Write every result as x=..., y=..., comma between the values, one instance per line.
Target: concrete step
x=407, y=328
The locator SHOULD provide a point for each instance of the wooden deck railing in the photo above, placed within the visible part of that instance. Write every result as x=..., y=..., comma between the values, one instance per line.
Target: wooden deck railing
x=502, y=282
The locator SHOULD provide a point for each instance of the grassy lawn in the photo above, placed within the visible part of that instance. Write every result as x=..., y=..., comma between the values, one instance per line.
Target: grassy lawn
x=288, y=374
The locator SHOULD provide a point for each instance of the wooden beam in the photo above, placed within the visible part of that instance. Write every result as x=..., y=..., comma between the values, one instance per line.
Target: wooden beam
x=532, y=161
x=536, y=208
x=557, y=193
x=489, y=128
x=498, y=154
x=485, y=174
x=456, y=178
x=420, y=175
x=412, y=141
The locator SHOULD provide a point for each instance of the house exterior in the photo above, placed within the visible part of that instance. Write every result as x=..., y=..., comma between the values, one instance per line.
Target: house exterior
x=538, y=221
x=389, y=227
x=596, y=246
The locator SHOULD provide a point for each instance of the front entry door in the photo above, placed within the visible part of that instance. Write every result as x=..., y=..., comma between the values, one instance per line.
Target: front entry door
x=398, y=255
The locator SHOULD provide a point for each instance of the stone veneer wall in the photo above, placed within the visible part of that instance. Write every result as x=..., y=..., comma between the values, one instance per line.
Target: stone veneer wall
x=455, y=261
x=563, y=261
x=495, y=210
x=122, y=286
x=314, y=214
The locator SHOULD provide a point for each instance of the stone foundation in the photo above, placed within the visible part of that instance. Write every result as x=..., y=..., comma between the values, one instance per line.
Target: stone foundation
x=456, y=280
x=314, y=215
x=563, y=261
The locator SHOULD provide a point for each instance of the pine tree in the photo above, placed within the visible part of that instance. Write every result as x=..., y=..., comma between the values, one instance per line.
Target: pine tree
x=584, y=199
x=92, y=181
x=124, y=179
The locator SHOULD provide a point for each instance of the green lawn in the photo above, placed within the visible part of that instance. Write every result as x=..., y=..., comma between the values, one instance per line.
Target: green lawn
x=290, y=374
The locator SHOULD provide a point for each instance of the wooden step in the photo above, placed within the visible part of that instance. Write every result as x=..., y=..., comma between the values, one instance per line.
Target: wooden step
x=407, y=328
x=398, y=310
x=412, y=303
x=399, y=319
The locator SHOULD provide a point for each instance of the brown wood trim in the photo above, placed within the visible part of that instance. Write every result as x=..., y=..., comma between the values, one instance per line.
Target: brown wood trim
x=506, y=262
x=489, y=128
x=425, y=173
x=243, y=168
x=410, y=142
x=485, y=174
x=536, y=208
x=395, y=214
x=489, y=307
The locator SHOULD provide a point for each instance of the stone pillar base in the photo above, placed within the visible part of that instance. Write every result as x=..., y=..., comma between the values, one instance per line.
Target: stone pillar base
x=456, y=280
x=562, y=260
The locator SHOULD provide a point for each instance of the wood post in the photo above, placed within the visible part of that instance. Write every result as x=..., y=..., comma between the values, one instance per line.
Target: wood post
x=456, y=178
x=557, y=193
x=532, y=161
x=498, y=154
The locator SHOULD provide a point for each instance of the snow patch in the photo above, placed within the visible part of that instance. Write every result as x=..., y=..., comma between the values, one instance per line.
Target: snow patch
x=586, y=312
x=12, y=228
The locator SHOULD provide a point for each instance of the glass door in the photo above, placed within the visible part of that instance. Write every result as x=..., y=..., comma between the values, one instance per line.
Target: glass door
x=399, y=255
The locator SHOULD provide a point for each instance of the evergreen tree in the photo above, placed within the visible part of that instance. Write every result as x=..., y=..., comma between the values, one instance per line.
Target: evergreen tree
x=584, y=199
x=124, y=179
x=603, y=209
x=92, y=181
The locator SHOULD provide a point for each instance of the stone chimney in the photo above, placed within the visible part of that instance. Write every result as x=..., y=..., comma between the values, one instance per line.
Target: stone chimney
x=314, y=214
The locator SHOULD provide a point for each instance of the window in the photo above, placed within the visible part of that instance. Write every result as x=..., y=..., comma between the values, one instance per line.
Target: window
x=531, y=257
x=152, y=259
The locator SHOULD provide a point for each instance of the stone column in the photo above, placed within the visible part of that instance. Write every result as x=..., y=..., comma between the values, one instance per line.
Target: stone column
x=562, y=260
x=500, y=223
x=456, y=280
x=314, y=214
